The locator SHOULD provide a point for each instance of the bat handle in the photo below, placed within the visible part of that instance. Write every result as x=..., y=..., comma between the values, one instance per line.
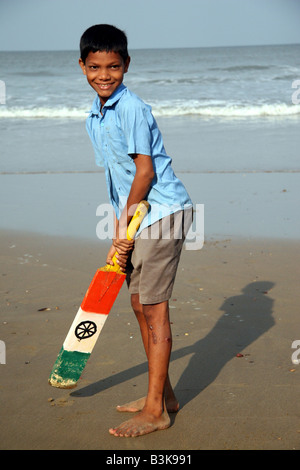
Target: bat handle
x=137, y=219
x=133, y=227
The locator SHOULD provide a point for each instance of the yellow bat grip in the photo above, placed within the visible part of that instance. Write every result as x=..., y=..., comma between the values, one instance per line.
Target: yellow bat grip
x=133, y=227
x=137, y=219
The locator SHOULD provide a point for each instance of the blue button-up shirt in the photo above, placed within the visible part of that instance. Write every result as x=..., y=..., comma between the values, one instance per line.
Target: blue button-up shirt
x=126, y=126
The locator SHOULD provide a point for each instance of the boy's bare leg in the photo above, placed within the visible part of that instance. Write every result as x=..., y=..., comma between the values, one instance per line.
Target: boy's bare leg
x=172, y=404
x=154, y=415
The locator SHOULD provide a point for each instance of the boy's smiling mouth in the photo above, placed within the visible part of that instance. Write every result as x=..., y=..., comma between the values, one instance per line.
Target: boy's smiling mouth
x=104, y=86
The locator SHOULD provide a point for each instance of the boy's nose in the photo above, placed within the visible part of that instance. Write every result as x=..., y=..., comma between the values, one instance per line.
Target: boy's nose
x=103, y=74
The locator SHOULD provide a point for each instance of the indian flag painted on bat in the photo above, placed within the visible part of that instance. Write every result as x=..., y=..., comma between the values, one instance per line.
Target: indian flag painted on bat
x=91, y=316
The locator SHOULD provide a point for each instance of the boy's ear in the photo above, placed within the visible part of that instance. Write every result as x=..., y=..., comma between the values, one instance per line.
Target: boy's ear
x=126, y=66
x=82, y=65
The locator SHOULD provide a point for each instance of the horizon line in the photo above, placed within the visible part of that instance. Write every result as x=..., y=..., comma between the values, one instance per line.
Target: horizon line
x=160, y=48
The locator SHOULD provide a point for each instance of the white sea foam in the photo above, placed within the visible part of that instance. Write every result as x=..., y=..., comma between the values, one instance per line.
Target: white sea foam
x=163, y=109
x=227, y=110
x=42, y=113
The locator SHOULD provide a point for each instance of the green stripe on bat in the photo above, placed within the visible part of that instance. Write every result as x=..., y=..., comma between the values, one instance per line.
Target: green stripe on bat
x=68, y=368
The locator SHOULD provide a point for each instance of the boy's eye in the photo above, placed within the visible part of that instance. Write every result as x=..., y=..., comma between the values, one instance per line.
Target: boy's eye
x=114, y=67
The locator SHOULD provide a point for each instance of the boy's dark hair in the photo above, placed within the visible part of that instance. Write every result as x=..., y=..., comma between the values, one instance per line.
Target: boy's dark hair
x=103, y=37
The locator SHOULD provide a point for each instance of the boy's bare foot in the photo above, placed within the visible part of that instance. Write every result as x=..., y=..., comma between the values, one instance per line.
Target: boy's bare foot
x=137, y=405
x=143, y=423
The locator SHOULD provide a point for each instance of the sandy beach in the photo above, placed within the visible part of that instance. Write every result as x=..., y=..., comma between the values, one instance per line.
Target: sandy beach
x=234, y=314
x=232, y=131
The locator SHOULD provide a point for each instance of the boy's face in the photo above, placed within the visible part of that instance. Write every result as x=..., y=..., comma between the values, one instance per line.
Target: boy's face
x=104, y=72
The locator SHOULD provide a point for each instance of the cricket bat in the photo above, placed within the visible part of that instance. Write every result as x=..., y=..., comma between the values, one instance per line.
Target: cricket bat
x=91, y=316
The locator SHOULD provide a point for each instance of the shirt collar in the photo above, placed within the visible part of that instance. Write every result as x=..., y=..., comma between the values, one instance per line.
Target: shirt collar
x=112, y=100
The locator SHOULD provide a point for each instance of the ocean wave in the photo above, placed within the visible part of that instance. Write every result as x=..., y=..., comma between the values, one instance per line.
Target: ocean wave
x=241, y=68
x=228, y=110
x=43, y=113
x=164, y=109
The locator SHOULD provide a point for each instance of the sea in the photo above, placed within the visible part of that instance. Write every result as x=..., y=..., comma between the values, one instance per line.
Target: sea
x=230, y=119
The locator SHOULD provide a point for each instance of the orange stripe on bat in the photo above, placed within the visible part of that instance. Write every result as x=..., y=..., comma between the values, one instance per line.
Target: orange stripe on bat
x=102, y=292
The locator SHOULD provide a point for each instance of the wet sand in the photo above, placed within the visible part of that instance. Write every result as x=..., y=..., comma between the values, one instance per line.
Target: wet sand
x=234, y=314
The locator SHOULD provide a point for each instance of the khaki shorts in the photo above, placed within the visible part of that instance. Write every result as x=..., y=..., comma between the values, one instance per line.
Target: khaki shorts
x=155, y=257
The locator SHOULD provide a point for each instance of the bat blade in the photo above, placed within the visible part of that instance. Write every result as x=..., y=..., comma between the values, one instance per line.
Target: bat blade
x=85, y=329
x=92, y=315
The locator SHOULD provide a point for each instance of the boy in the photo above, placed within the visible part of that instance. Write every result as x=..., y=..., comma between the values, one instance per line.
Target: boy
x=128, y=143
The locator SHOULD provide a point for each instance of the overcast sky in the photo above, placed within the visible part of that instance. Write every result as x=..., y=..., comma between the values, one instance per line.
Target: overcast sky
x=58, y=24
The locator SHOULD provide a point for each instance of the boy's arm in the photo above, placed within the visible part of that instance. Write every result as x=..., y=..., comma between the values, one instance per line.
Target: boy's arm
x=139, y=189
x=123, y=248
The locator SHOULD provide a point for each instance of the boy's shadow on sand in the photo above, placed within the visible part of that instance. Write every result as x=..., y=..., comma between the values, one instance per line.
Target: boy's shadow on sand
x=246, y=317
